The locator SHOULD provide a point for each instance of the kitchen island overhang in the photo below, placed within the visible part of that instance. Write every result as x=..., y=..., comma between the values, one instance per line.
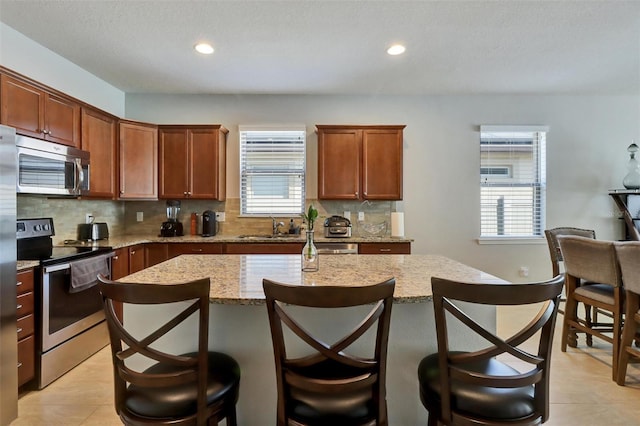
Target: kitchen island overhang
x=239, y=324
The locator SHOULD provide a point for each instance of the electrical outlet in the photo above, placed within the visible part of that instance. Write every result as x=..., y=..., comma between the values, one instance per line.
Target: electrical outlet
x=220, y=216
x=139, y=216
x=347, y=214
x=360, y=216
x=88, y=218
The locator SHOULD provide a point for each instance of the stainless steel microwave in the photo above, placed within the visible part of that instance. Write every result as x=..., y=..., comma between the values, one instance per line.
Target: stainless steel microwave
x=51, y=169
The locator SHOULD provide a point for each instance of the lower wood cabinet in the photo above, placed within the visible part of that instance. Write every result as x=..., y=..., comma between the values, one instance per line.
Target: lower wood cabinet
x=264, y=248
x=25, y=325
x=155, y=253
x=384, y=248
x=120, y=264
x=136, y=258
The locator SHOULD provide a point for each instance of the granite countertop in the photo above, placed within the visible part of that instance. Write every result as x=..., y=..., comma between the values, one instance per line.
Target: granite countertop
x=128, y=240
x=237, y=279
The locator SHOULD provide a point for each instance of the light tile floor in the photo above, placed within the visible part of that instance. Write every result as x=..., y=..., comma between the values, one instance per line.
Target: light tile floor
x=582, y=392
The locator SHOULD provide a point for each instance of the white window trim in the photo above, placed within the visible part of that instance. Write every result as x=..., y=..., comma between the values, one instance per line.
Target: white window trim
x=268, y=127
x=513, y=240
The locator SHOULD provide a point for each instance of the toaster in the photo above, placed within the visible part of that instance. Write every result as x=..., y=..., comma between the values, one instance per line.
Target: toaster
x=93, y=231
x=337, y=227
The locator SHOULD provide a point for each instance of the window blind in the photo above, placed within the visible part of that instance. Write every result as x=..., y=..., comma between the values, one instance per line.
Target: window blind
x=272, y=170
x=512, y=181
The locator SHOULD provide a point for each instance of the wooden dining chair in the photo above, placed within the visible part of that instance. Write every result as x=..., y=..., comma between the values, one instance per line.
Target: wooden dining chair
x=629, y=258
x=329, y=383
x=592, y=277
x=506, y=382
x=193, y=388
x=554, y=247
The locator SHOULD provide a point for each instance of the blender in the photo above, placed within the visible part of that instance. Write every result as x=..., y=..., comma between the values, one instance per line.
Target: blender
x=172, y=228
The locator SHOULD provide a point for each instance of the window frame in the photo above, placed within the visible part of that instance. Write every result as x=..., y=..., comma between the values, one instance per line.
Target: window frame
x=298, y=169
x=537, y=182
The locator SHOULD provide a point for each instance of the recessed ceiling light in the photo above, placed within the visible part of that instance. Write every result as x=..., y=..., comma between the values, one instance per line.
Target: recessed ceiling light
x=204, y=48
x=396, y=49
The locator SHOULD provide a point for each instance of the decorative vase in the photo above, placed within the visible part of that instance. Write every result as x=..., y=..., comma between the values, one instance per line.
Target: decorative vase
x=632, y=179
x=310, y=258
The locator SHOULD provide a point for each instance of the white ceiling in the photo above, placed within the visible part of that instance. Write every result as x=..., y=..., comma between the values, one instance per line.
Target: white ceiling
x=338, y=47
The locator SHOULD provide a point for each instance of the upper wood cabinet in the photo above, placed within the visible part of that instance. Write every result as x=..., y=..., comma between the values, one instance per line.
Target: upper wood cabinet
x=99, y=137
x=36, y=112
x=138, y=161
x=360, y=162
x=192, y=162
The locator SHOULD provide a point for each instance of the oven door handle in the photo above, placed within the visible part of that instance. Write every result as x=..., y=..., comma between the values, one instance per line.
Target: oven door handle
x=55, y=268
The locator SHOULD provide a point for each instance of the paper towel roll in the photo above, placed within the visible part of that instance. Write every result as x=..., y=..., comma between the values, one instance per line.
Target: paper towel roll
x=397, y=224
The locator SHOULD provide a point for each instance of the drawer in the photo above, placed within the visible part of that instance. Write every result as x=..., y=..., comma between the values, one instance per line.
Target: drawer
x=384, y=248
x=25, y=305
x=26, y=326
x=26, y=360
x=24, y=281
x=264, y=248
x=176, y=249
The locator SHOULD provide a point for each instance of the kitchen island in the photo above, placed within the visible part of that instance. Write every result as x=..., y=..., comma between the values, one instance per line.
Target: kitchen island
x=239, y=324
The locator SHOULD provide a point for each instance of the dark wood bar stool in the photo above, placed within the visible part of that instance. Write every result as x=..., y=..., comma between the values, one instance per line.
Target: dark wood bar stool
x=629, y=258
x=507, y=381
x=592, y=277
x=327, y=385
x=194, y=388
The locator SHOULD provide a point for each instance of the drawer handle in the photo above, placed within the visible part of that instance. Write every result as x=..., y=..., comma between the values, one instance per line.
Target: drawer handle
x=385, y=249
x=19, y=330
x=197, y=250
x=19, y=306
x=19, y=364
x=19, y=283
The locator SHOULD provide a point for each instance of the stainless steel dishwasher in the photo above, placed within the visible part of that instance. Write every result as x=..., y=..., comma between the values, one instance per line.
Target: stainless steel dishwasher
x=337, y=248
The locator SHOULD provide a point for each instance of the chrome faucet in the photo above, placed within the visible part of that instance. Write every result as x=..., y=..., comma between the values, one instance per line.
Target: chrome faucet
x=275, y=225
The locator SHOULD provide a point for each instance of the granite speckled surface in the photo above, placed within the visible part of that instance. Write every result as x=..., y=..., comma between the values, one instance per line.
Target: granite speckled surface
x=22, y=265
x=129, y=240
x=237, y=279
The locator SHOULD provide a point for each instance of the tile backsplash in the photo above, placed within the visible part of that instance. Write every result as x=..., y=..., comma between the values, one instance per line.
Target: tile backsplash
x=121, y=216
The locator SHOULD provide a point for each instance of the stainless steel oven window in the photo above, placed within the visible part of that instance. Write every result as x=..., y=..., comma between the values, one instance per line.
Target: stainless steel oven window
x=65, y=314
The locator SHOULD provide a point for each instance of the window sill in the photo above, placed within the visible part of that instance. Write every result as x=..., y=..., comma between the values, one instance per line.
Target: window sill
x=511, y=240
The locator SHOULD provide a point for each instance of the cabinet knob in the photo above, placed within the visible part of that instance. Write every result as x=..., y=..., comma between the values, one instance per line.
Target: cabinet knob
x=356, y=193
x=196, y=250
x=384, y=249
x=115, y=258
x=132, y=252
x=19, y=364
x=19, y=283
x=185, y=193
x=19, y=330
x=19, y=307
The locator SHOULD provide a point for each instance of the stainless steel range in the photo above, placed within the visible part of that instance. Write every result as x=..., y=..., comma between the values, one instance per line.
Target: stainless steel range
x=71, y=323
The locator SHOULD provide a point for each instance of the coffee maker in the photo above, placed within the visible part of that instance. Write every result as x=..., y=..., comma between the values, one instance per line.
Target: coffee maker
x=172, y=228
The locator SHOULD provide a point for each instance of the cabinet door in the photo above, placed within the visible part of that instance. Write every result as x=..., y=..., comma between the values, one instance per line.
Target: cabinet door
x=136, y=258
x=22, y=107
x=62, y=120
x=382, y=164
x=99, y=138
x=207, y=164
x=339, y=164
x=155, y=253
x=173, y=155
x=138, y=161
x=120, y=264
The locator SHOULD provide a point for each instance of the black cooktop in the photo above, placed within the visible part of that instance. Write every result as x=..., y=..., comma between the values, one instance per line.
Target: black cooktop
x=52, y=255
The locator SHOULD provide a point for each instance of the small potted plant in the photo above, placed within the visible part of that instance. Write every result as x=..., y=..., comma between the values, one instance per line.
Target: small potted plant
x=310, y=261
